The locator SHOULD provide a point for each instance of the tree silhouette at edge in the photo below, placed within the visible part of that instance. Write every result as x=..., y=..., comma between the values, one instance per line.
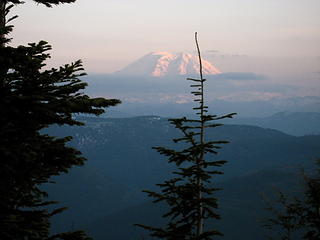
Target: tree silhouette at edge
x=32, y=99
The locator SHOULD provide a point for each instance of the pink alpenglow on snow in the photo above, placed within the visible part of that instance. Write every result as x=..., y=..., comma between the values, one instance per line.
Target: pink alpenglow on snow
x=160, y=64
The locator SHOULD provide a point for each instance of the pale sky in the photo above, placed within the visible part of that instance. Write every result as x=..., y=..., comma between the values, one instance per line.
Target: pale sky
x=109, y=34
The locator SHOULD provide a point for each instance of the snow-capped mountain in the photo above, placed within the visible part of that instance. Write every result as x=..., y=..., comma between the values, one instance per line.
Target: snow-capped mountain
x=160, y=64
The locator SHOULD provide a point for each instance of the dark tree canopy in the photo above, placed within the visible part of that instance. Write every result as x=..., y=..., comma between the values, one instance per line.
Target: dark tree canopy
x=297, y=217
x=31, y=99
x=47, y=3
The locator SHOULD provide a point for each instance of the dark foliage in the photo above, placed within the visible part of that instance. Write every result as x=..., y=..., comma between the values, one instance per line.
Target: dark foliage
x=298, y=217
x=47, y=3
x=32, y=99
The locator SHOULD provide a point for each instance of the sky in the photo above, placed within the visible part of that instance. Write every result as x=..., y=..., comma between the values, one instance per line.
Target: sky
x=109, y=34
x=275, y=39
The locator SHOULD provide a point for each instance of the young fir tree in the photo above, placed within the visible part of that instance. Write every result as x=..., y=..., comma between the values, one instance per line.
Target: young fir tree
x=190, y=195
x=296, y=218
x=32, y=99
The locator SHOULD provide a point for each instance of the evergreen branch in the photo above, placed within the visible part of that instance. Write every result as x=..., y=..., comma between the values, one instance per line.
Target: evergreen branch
x=196, y=80
x=225, y=116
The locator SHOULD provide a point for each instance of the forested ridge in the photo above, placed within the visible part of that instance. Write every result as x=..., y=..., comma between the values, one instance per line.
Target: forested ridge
x=120, y=178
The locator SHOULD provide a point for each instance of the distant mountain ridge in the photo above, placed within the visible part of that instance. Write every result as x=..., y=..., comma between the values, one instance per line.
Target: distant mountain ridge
x=121, y=162
x=160, y=64
x=293, y=123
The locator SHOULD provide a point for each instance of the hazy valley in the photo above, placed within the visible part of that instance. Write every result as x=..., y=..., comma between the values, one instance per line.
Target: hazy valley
x=105, y=195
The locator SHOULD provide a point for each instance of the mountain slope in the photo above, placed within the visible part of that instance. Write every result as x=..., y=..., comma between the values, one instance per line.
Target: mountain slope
x=294, y=123
x=241, y=206
x=123, y=147
x=160, y=64
x=121, y=162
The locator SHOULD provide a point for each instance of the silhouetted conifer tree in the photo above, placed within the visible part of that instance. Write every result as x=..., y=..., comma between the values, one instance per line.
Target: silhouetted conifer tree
x=32, y=99
x=294, y=217
x=190, y=195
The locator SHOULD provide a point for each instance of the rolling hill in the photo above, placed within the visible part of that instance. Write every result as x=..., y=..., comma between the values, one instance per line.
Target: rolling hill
x=121, y=163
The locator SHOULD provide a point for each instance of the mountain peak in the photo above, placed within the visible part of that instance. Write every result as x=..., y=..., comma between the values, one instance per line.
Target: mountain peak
x=162, y=63
x=160, y=53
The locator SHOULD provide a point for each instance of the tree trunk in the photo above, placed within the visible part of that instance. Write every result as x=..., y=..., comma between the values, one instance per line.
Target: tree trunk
x=200, y=160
